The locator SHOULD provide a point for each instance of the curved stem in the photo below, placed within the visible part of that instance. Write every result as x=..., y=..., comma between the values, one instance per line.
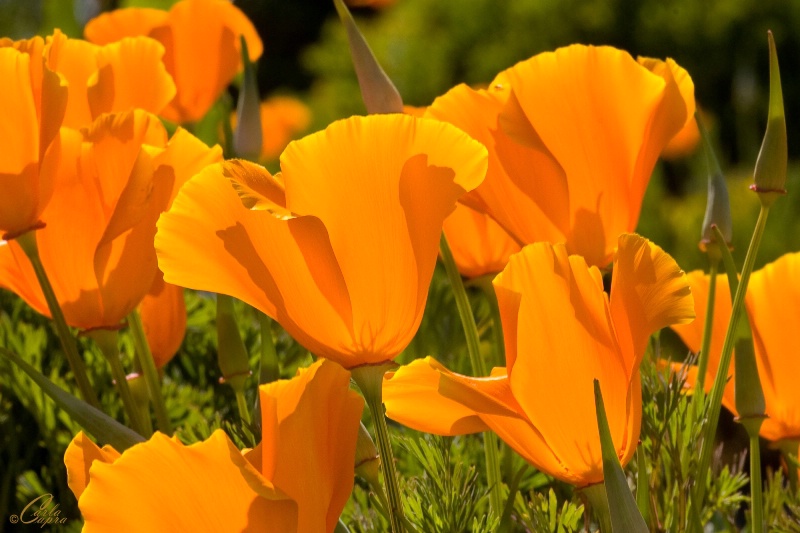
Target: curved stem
x=150, y=372
x=28, y=244
x=106, y=340
x=702, y=364
x=369, y=379
x=721, y=377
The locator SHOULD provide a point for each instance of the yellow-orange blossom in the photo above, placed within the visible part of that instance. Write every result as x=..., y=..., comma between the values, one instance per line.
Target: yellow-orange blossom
x=561, y=332
x=340, y=247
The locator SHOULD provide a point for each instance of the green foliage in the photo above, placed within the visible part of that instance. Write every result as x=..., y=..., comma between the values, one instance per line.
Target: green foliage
x=542, y=513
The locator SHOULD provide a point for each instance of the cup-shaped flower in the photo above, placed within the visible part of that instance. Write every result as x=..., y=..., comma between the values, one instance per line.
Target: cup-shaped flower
x=33, y=99
x=773, y=306
x=561, y=333
x=163, y=312
x=201, y=38
x=479, y=245
x=112, y=183
x=298, y=479
x=573, y=136
x=340, y=247
x=120, y=76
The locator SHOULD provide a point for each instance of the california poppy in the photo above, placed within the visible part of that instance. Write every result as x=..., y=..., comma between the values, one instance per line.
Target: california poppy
x=97, y=246
x=340, y=247
x=33, y=99
x=120, y=76
x=573, y=136
x=298, y=479
x=772, y=303
x=479, y=245
x=201, y=38
x=562, y=332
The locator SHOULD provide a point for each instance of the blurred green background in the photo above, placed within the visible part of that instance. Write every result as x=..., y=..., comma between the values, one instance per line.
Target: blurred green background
x=426, y=47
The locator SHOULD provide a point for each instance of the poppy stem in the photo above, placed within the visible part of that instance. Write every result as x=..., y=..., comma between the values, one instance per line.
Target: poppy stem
x=702, y=364
x=145, y=358
x=269, y=370
x=369, y=379
x=106, y=340
x=27, y=242
x=756, y=497
x=598, y=501
x=721, y=378
x=478, y=368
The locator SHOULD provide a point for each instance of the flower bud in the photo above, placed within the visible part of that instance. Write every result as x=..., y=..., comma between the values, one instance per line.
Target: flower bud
x=231, y=353
x=718, y=207
x=367, y=459
x=749, y=395
x=247, y=138
x=770, y=171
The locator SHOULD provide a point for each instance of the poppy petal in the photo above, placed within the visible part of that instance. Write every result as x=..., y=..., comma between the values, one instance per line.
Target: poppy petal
x=78, y=458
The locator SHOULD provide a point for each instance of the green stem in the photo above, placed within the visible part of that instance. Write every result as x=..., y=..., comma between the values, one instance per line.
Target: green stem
x=721, y=377
x=498, y=341
x=478, y=368
x=598, y=500
x=756, y=498
x=702, y=364
x=106, y=340
x=269, y=370
x=789, y=447
x=149, y=371
x=241, y=403
x=28, y=244
x=369, y=379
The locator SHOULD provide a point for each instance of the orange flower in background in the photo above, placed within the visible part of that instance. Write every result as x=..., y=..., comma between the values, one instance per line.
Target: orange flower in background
x=163, y=312
x=282, y=118
x=298, y=479
x=33, y=99
x=121, y=76
x=573, y=136
x=479, y=245
x=773, y=306
x=201, y=38
x=113, y=182
x=562, y=332
x=340, y=248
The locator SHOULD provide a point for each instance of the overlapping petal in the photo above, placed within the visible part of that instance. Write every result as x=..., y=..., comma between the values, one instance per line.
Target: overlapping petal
x=561, y=334
x=201, y=39
x=163, y=312
x=358, y=232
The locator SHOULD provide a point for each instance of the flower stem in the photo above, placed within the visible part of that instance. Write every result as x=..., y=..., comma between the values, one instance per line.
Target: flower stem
x=756, y=498
x=702, y=364
x=150, y=372
x=106, y=340
x=478, y=368
x=598, y=500
x=27, y=242
x=721, y=378
x=369, y=379
x=269, y=370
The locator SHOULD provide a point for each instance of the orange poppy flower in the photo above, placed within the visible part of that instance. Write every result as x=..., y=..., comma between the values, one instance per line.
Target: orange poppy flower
x=479, y=245
x=562, y=332
x=212, y=486
x=340, y=248
x=113, y=182
x=773, y=305
x=163, y=312
x=33, y=99
x=282, y=118
x=121, y=76
x=573, y=136
x=201, y=38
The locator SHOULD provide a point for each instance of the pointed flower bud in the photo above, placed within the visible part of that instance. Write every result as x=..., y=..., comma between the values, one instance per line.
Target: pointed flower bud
x=718, y=207
x=770, y=172
x=231, y=353
x=379, y=93
x=367, y=460
x=247, y=138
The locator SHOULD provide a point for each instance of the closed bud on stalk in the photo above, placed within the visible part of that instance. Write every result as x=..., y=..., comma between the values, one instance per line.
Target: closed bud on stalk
x=770, y=172
x=367, y=459
x=247, y=138
x=231, y=353
x=749, y=395
x=718, y=207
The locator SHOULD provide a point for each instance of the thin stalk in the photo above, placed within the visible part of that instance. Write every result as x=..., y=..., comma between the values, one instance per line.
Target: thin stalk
x=478, y=368
x=369, y=379
x=598, y=500
x=498, y=340
x=702, y=364
x=241, y=403
x=715, y=401
x=106, y=340
x=756, y=498
x=28, y=244
x=145, y=360
x=268, y=369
